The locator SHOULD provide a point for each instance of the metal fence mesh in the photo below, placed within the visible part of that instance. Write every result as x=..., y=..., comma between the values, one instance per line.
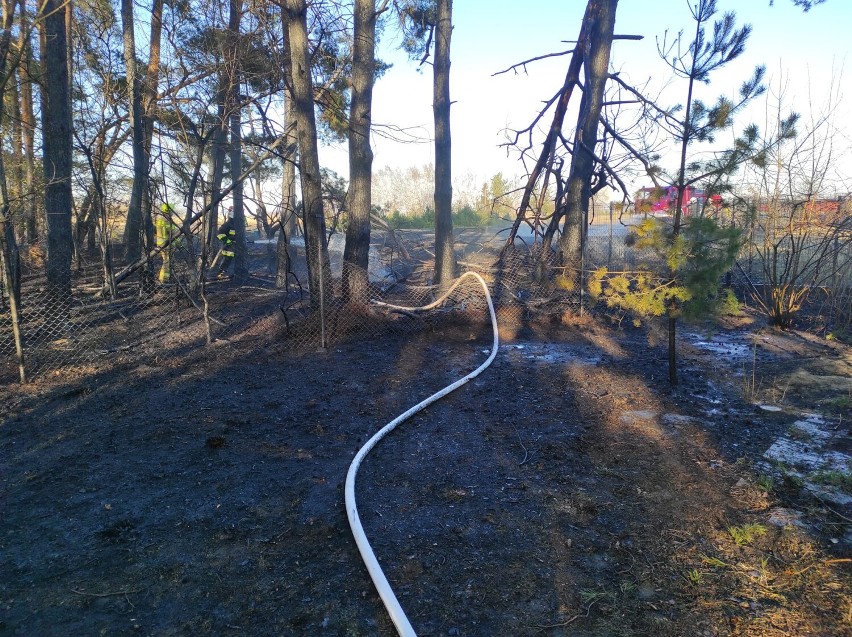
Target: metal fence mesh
x=89, y=327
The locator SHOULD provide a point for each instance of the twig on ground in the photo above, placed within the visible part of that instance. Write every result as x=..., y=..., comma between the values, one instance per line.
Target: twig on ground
x=825, y=504
x=109, y=594
x=573, y=619
x=560, y=625
x=841, y=560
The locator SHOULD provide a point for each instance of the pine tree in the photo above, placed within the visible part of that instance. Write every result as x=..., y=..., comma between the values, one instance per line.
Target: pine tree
x=694, y=251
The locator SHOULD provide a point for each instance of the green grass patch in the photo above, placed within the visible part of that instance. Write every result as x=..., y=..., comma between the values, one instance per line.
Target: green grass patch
x=841, y=402
x=746, y=534
x=715, y=562
x=694, y=576
x=837, y=479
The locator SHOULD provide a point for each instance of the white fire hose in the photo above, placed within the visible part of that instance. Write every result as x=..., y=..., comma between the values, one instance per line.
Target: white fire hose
x=403, y=626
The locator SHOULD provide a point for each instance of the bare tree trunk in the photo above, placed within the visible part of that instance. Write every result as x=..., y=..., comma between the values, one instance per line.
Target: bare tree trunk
x=8, y=248
x=445, y=258
x=220, y=143
x=578, y=190
x=240, y=258
x=69, y=43
x=357, y=251
x=56, y=118
x=28, y=125
x=17, y=141
x=7, y=267
x=236, y=149
x=319, y=272
x=134, y=228
x=285, y=253
x=148, y=98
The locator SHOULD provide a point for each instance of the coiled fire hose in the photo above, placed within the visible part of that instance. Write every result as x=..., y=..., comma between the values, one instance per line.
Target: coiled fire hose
x=403, y=626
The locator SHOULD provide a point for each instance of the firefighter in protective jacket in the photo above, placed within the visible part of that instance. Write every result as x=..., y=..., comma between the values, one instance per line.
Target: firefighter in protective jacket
x=164, y=231
x=226, y=235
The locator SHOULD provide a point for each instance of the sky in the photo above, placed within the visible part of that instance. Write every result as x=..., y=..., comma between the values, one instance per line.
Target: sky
x=805, y=48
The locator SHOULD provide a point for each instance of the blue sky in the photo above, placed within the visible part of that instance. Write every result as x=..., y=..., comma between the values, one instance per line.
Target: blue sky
x=489, y=37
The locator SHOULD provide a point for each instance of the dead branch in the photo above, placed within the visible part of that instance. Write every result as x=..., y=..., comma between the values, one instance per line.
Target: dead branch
x=635, y=153
x=531, y=60
x=572, y=79
x=384, y=225
x=666, y=115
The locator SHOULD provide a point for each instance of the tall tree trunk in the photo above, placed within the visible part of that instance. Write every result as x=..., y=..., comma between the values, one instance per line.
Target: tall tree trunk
x=236, y=148
x=69, y=43
x=319, y=271
x=578, y=190
x=30, y=209
x=56, y=118
x=445, y=258
x=10, y=265
x=16, y=135
x=356, y=253
x=285, y=253
x=149, y=113
x=134, y=228
x=219, y=150
x=9, y=269
x=9, y=259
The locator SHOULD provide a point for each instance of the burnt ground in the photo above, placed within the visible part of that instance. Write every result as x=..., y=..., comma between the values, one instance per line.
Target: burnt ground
x=198, y=490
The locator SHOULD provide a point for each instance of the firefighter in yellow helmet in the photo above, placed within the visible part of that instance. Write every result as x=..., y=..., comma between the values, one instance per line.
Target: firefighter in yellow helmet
x=164, y=231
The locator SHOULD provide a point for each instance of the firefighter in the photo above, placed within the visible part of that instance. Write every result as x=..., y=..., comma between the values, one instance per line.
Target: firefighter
x=165, y=230
x=226, y=235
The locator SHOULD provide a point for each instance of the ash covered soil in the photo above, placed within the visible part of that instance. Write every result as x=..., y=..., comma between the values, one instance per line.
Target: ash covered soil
x=567, y=490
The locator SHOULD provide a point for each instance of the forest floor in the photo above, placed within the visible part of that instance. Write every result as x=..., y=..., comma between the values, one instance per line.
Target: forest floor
x=566, y=491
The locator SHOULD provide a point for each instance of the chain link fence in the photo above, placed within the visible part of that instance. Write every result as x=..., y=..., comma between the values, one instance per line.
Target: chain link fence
x=91, y=328
x=67, y=331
